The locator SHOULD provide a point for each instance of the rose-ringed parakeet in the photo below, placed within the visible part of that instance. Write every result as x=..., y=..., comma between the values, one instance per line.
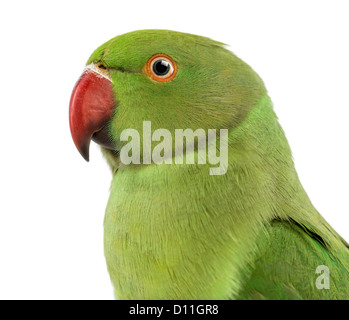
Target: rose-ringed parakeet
x=174, y=231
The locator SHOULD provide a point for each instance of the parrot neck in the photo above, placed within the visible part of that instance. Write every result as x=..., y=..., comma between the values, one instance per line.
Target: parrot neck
x=260, y=157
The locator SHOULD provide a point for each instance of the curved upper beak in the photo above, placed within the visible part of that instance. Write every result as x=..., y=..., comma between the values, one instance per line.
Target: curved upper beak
x=91, y=107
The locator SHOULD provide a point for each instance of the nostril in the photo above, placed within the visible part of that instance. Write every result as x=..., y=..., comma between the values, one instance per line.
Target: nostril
x=101, y=66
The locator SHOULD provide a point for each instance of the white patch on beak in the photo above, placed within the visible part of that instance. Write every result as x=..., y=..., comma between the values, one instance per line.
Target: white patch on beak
x=104, y=73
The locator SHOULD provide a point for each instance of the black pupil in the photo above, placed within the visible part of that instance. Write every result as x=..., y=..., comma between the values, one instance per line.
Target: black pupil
x=161, y=67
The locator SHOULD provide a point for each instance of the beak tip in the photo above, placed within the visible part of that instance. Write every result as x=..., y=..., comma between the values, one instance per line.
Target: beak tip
x=85, y=152
x=86, y=157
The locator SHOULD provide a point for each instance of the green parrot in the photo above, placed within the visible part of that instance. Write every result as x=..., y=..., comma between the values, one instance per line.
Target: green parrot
x=173, y=230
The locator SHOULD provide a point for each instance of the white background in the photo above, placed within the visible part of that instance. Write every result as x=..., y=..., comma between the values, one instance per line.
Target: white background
x=52, y=202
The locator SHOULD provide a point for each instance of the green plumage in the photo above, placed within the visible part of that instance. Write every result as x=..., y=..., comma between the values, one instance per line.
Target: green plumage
x=176, y=232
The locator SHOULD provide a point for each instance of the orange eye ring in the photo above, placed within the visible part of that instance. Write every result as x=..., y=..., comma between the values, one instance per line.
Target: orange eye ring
x=160, y=67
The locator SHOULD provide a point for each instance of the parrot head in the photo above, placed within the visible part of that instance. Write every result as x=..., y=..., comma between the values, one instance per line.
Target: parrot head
x=175, y=80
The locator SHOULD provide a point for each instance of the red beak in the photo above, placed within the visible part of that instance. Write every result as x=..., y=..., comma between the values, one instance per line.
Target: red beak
x=91, y=107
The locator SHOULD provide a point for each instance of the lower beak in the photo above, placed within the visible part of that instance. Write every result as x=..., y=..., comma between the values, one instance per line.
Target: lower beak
x=91, y=107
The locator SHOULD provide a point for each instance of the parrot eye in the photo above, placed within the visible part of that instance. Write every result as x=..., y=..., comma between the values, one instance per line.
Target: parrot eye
x=161, y=67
